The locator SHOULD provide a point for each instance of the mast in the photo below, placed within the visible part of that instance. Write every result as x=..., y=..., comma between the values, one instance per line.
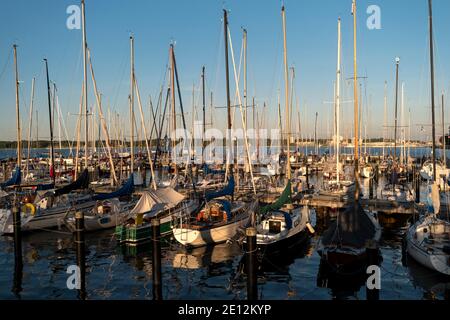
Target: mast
x=132, y=103
x=397, y=62
x=19, y=138
x=286, y=91
x=37, y=129
x=204, y=114
x=174, y=115
x=85, y=97
x=403, y=123
x=355, y=106
x=30, y=126
x=443, y=133
x=316, y=143
x=280, y=126
x=384, y=117
x=245, y=73
x=432, y=88
x=78, y=132
x=227, y=76
x=338, y=98
x=52, y=154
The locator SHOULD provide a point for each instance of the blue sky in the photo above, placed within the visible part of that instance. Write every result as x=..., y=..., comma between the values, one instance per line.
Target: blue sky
x=39, y=29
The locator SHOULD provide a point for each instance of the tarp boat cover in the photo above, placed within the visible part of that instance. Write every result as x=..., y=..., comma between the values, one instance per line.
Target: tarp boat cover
x=126, y=189
x=16, y=179
x=81, y=183
x=227, y=191
x=153, y=201
x=351, y=228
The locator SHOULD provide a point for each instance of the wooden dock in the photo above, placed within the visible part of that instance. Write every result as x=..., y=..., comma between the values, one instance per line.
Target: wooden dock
x=378, y=205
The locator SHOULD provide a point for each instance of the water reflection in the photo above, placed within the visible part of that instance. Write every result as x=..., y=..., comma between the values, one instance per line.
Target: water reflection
x=434, y=285
x=217, y=272
x=210, y=257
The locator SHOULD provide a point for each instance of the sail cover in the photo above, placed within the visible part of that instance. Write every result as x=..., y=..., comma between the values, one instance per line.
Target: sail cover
x=351, y=228
x=155, y=201
x=169, y=196
x=126, y=189
x=227, y=191
x=145, y=204
x=81, y=183
x=282, y=200
x=15, y=179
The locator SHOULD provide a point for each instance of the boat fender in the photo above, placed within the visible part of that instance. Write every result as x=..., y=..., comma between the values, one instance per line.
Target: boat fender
x=310, y=228
x=225, y=217
x=29, y=207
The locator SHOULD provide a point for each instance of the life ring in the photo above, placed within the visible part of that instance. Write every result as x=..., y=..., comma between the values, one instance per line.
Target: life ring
x=29, y=207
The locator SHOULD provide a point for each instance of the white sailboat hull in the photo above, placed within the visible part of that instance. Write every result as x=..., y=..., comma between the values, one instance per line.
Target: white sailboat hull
x=433, y=259
x=197, y=237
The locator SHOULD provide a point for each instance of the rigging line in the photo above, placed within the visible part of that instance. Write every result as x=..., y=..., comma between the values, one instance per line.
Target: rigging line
x=244, y=124
x=238, y=81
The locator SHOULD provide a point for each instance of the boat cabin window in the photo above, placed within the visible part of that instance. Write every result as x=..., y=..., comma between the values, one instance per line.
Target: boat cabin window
x=274, y=226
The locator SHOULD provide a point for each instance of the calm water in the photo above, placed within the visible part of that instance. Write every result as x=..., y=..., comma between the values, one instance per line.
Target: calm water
x=205, y=273
x=377, y=151
x=115, y=272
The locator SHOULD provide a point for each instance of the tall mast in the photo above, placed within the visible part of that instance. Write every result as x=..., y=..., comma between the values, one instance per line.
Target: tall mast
x=37, y=129
x=397, y=62
x=432, y=88
x=19, y=138
x=174, y=114
x=384, y=117
x=204, y=114
x=338, y=98
x=443, y=133
x=52, y=153
x=355, y=86
x=30, y=127
x=85, y=97
x=355, y=98
x=402, y=122
x=132, y=103
x=280, y=125
x=227, y=77
x=245, y=73
x=286, y=92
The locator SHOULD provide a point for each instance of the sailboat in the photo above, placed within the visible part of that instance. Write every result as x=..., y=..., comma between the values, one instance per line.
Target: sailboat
x=217, y=221
x=164, y=203
x=428, y=239
x=277, y=229
x=343, y=245
x=338, y=186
